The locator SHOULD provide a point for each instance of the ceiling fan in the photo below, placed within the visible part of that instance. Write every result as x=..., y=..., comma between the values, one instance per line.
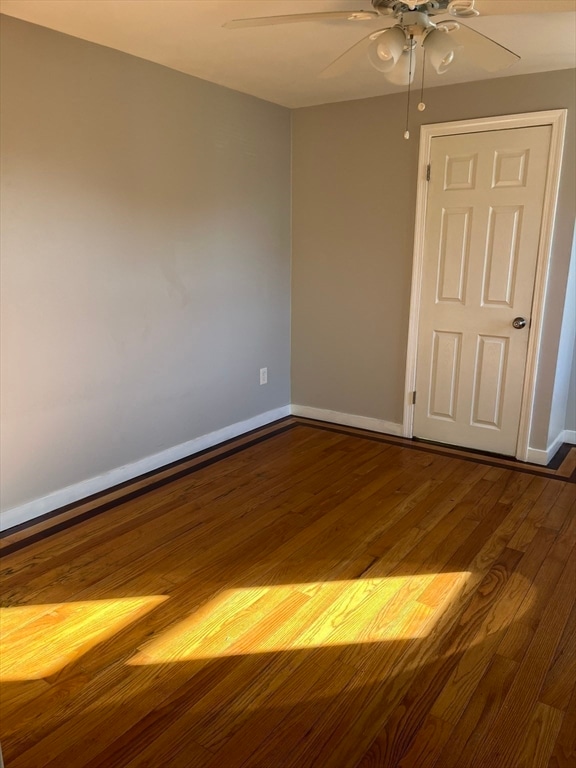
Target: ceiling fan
x=392, y=49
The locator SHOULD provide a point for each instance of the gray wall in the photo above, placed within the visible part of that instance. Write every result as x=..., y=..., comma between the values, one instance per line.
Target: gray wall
x=354, y=195
x=561, y=413
x=146, y=254
x=145, y=259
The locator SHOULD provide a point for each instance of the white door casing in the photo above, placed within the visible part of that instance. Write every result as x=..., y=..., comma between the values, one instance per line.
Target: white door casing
x=483, y=235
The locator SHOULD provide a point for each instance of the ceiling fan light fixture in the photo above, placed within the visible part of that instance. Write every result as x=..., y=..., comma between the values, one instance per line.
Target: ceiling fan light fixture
x=463, y=8
x=440, y=49
x=386, y=49
x=403, y=72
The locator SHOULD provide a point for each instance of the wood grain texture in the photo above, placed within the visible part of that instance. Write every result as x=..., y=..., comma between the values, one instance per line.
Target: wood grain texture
x=317, y=598
x=564, y=752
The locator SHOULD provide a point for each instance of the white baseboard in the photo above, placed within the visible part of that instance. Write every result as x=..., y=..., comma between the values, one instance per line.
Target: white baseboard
x=544, y=457
x=37, y=507
x=537, y=456
x=348, y=420
x=72, y=493
x=570, y=436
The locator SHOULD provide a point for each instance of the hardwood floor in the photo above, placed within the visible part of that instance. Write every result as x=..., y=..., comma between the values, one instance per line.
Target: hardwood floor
x=302, y=596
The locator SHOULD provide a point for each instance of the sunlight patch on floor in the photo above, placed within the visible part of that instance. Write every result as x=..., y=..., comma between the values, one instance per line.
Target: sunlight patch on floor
x=39, y=640
x=301, y=616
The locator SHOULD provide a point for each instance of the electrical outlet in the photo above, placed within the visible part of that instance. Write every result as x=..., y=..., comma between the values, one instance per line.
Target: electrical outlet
x=263, y=375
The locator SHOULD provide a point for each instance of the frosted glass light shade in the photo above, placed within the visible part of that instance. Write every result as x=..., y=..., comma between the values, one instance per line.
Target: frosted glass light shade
x=387, y=49
x=440, y=50
x=401, y=74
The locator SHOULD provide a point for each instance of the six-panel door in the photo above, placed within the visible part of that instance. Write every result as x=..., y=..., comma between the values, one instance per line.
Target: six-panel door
x=484, y=212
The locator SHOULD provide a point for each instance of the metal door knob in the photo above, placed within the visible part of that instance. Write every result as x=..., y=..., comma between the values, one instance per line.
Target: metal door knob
x=519, y=322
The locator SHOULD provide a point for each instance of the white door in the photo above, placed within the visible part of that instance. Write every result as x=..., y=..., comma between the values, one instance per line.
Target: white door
x=483, y=221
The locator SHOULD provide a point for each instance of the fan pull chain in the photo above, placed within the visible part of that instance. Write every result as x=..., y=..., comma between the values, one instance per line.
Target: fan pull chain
x=407, y=131
x=422, y=105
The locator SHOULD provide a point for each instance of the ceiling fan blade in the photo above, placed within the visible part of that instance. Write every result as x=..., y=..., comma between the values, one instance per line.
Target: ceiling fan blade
x=347, y=59
x=483, y=51
x=492, y=7
x=265, y=21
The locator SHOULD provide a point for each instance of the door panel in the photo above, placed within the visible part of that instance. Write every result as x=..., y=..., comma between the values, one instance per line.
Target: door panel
x=489, y=382
x=501, y=262
x=483, y=220
x=454, y=252
x=510, y=168
x=445, y=369
x=460, y=172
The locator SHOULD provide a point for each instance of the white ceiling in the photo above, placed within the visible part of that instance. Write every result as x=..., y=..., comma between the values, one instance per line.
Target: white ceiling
x=281, y=63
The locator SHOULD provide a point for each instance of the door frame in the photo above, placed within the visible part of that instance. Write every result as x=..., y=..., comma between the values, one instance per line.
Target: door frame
x=557, y=120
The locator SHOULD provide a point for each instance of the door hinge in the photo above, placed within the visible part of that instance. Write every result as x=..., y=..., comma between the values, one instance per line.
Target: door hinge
x=428, y=172
x=413, y=398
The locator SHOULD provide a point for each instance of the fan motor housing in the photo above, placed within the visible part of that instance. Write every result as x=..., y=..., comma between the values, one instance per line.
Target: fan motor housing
x=398, y=7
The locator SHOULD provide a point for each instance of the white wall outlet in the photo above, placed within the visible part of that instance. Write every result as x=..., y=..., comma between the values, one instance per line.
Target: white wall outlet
x=263, y=375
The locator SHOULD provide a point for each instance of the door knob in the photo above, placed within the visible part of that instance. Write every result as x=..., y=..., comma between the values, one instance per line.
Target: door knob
x=519, y=322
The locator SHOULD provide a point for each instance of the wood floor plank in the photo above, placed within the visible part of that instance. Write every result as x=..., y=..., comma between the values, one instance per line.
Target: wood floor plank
x=228, y=554
x=561, y=676
x=147, y=543
x=245, y=468
x=541, y=733
x=396, y=737
x=542, y=585
x=320, y=741
x=427, y=745
x=476, y=658
x=538, y=516
x=190, y=698
x=564, y=504
x=568, y=466
x=564, y=752
x=177, y=753
x=509, y=732
x=477, y=718
x=292, y=708
x=81, y=700
x=321, y=597
x=474, y=661
x=397, y=726
x=212, y=495
x=518, y=635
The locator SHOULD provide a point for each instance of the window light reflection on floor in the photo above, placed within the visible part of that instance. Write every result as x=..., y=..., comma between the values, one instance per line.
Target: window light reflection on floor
x=39, y=640
x=267, y=619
